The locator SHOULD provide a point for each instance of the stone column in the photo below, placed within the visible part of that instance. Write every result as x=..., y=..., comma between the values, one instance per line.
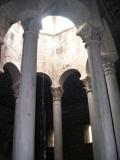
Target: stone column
x=91, y=106
x=103, y=139
x=25, y=121
x=114, y=95
x=57, y=121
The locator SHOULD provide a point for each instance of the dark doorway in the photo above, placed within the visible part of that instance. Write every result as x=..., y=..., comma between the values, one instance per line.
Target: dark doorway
x=44, y=117
x=75, y=117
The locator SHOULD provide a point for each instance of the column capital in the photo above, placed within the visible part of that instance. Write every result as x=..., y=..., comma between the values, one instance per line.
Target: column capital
x=16, y=88
x=108, y=65
x=32, y=24
x=90, y=33
x=57, y=93
x=87, y=83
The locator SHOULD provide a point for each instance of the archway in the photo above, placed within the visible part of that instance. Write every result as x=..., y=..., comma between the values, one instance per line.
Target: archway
x=44, y=118
x=7, y=108
x=75, y=117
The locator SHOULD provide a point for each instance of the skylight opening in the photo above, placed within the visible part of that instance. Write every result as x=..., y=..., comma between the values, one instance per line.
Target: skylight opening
x=55, y=24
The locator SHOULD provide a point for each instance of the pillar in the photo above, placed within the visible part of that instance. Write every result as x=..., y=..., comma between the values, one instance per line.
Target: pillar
x=103, y=138
x=57, y=123
x=88, y=87
x=114, y=95
x=25, y=120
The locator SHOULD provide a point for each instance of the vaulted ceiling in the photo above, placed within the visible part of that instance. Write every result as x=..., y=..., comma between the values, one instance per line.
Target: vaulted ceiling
x=110, y=9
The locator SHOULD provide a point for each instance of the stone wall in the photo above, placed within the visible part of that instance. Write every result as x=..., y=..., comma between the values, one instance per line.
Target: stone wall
x=56, y=53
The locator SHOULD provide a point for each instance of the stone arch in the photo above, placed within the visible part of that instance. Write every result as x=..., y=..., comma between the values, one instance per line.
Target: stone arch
x=43, y=110
x=74, y=104
x=9, y=15
x=13, y=71
x=108, y=44
x=73, y=10
x=45, y=76
x=68, y=73
x=16, y=11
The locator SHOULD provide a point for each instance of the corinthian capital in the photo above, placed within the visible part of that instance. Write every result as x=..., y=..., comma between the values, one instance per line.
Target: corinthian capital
x=32, y=24
x=90, y=32
x=57, y=93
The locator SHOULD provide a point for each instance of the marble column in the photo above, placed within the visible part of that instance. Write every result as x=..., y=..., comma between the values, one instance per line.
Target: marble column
x=103, y=139
x=57, y=122
x=25, y=121
x=114, y=95
x=88, y=87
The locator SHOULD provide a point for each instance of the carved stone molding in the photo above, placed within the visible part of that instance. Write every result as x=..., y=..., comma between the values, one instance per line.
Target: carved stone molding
x=90, y=33
x=109, y=68
x=57, y=93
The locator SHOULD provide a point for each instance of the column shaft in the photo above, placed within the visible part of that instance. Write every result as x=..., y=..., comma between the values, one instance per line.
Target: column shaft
x=57, y=122
x=114, y=97
x=91, y=109
x=24, y=139
x=103, y=139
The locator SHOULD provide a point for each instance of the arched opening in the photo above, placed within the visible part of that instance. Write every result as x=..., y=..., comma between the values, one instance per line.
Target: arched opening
x=7, y=109
x=57, y=24
x=75, y=117
x=44, y=117
x=51, y=52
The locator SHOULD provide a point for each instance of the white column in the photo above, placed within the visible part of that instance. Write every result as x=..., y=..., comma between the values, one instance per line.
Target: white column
x=25, y=120
x=114, y=95
x=91, y=106
x=57, y=121
x=103, y=139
